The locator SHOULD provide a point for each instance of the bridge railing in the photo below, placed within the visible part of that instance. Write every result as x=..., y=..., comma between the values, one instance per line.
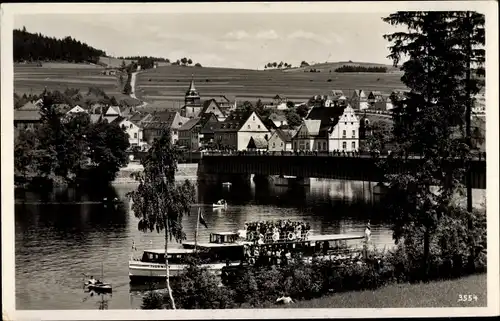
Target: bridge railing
x=477, y=155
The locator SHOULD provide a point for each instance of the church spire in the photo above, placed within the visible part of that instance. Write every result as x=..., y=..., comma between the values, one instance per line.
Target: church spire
x=191, y=86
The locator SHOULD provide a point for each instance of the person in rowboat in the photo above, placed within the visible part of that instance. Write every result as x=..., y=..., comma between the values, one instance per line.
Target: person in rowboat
x=92, y=280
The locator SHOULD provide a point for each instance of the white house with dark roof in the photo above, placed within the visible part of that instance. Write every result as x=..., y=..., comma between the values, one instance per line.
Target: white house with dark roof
x=133, y=129
x=280, y=140
x=235, y=132
x=328, y=129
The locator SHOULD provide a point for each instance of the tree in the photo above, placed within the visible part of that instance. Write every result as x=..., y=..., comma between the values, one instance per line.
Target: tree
x=107, y=144
x=189, y=62
x=424, y=123
x=184, y=61
x=197, y=64
x=302, y=110
x=158, y=201
x=304, y=64
x=123, y=66
x=275, y=64
x=293, y=119
x=290, y=104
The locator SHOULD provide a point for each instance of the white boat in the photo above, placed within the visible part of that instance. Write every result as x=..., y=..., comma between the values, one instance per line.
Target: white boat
x=220, y=204
x=152, y=264
x=227, y=184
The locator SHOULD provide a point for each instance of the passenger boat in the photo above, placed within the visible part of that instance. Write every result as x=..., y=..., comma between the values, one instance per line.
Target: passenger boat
x=213, y=255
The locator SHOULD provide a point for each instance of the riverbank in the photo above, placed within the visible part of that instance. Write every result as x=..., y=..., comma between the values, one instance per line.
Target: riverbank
x=432, y=294
x=184, y=171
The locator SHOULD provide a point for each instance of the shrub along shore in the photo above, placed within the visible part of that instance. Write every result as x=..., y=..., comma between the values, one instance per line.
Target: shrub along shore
x=261, y=286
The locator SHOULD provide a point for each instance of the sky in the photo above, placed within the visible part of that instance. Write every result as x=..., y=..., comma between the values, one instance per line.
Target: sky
x=238, y=40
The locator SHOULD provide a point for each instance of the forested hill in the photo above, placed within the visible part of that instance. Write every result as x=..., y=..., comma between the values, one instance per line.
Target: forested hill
x=37, y=47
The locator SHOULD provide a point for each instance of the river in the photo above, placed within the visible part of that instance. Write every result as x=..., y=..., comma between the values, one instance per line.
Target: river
x=64, y=233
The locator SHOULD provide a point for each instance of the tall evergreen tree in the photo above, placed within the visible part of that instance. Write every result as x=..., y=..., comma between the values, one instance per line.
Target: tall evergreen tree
x=425, y=123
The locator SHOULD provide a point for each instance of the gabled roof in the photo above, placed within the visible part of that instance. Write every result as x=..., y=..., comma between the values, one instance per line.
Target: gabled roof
x=207, y=103
x=160, y=120
x=257, y=143
x=27, y=115
x=118, y=120
x=313, y=126
x=375, y=93
x=337, y=92
x=277, y=117
x=94, y=118
x=285, y=135
x=29, y=106
x=190, y=123
x=329, y=116
x=234, y=121
x=113, y=110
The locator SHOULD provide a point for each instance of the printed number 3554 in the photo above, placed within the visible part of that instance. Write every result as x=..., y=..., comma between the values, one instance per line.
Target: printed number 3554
x=467, y=297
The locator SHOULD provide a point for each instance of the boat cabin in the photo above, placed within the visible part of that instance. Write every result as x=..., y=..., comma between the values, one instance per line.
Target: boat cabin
x=174, y=256
x=313, y=245
x=223, y=237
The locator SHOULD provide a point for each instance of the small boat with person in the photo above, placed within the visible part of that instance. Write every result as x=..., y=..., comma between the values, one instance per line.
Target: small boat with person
x=98, y=286
x=220, y=204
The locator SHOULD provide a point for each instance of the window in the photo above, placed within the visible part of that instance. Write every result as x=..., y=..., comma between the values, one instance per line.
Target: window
x=130, y=125
x=253, y=118
x=248, y=126
x=353, y=134
x=135, y=135
x=281, y=144
x=324, y=145
x=295, y=145
x=353, y=145
x=258, y=126
x=352, y=123
x=307, y=146
x=344, y=145
x=343, y=133
x=274, y=144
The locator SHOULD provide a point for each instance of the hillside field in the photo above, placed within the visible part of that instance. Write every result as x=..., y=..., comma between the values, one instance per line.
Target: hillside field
x=327, y=66
x=31, y=79
x=169, y=84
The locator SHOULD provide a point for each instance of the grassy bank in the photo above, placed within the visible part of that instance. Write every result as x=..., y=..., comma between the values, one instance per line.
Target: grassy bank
x=433, y=294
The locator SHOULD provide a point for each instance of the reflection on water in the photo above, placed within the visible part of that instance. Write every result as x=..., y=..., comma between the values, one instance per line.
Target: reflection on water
x=62, y=234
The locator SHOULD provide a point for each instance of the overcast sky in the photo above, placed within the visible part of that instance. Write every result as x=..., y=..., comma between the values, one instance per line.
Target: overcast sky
x=222, y=39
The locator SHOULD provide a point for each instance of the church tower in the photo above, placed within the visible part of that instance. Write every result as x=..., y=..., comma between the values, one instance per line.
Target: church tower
x=192, y=97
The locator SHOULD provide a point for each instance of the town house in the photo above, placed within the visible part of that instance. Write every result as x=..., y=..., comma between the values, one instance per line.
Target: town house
x=27, y=116
x=190, y=134
x=133, y=129
x=280, y=140
x=161, y=121
x=235, y=132
x=328, y=129
x=374, y=97
x=359, y=101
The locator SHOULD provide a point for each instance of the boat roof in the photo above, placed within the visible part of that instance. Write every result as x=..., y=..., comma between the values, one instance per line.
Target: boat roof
x=335, y=237
x=214, y=245
x=224, y=233
x=170, y=251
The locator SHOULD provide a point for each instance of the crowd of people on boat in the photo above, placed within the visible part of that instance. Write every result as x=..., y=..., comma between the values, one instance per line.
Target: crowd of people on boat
x=273, y=231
